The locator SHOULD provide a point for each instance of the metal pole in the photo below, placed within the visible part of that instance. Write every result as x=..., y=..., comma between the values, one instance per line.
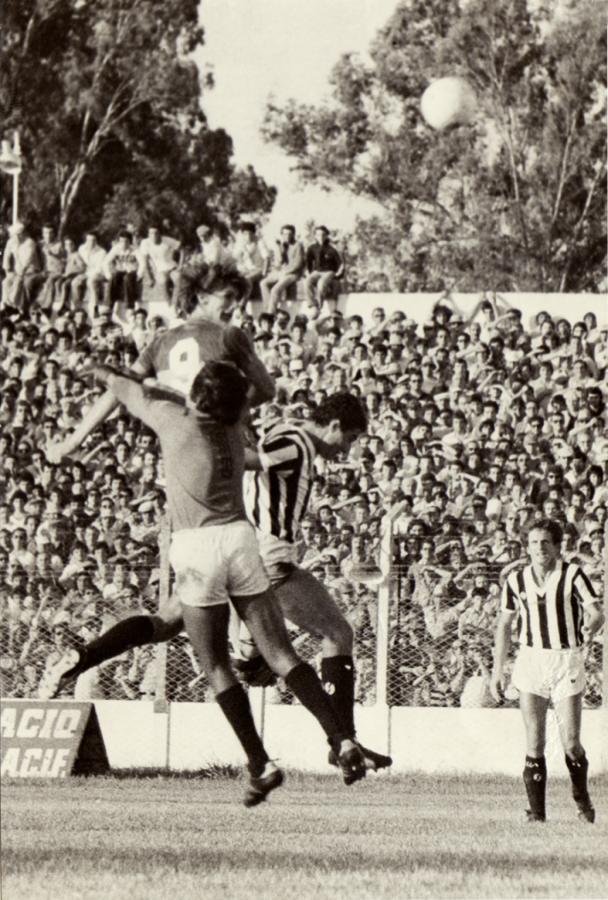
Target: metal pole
x=15, y=197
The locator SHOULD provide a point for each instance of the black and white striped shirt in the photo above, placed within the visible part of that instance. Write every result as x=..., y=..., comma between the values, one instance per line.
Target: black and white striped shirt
x=551, y=616
x=276, y=497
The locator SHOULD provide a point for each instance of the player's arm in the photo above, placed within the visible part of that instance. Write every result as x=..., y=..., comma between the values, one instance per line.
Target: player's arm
x=502, y=645
x=94, y=416
x=592, y=610
x=241, y=353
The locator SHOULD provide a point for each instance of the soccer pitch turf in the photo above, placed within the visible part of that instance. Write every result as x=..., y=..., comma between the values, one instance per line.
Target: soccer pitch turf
x=387, y=837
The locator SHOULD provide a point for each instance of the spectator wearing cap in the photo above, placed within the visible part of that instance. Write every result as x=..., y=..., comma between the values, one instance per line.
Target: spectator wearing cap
x=324, y=266
x=23, y=269
x=289, y=264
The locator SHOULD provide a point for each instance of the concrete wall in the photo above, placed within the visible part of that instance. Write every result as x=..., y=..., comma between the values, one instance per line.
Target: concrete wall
x=463, y=741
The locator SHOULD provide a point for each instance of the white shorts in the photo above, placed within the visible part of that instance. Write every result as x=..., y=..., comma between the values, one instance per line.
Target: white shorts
x=215, y=563
x=553, y=674
x=278, y=556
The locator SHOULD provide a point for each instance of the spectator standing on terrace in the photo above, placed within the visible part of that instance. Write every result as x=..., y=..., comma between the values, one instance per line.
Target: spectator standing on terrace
x=289, y=264
x=158, y=259
x=324, y=266
x=558, y=613
x=23, y=266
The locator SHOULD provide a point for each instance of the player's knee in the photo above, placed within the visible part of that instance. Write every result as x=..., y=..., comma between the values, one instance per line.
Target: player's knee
x=340, y=636
x=165, y=629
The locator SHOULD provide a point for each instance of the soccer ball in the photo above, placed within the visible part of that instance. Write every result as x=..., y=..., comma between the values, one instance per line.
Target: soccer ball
x=447, y=102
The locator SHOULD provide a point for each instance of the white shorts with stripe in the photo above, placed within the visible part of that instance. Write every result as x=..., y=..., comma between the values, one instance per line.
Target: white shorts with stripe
x=278, y=556
x=214, y=563
x=553, y=674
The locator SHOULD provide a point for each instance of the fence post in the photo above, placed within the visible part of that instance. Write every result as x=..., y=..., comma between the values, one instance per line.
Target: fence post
x=384, y=592
x=164, y=541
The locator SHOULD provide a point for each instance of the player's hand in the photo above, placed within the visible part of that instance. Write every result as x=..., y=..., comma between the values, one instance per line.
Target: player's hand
x=497, y=686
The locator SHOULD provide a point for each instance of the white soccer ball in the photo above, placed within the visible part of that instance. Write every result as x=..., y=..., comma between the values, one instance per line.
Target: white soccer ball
x=447, y=102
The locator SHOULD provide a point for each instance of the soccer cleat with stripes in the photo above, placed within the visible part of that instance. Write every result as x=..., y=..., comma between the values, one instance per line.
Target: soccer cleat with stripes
x=373, y=761
x=350, y=761
x=260, y=786
x=59, y=677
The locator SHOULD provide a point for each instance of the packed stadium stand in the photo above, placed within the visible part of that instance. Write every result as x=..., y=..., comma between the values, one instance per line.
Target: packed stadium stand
x=478, y=423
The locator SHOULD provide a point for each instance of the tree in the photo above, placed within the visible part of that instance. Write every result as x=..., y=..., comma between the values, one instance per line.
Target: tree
x=514, y=201
x=108, y=102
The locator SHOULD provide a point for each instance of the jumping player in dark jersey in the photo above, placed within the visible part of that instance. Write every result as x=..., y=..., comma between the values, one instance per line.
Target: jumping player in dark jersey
x=215, y=555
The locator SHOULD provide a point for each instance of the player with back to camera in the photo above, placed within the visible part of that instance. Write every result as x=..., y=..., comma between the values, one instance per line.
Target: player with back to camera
x=557, y=611
x=215, y=555
x=171, y=356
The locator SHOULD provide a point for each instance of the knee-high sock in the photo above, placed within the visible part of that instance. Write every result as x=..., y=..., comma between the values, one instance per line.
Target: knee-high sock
x=132, y=632
x=578, y=768
x=234, y=703
x=535, y=780
x=338, y=677
x=304, y=683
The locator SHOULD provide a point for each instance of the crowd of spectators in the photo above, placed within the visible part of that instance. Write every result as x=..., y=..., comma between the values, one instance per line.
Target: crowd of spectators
x=477, y=424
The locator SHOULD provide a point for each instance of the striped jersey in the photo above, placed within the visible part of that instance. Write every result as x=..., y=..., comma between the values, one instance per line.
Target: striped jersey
x=276, y=497
x=551, y=616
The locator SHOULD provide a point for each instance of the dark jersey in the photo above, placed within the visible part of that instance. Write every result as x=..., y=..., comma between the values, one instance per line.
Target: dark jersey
x=203, y=460
x=174, y=357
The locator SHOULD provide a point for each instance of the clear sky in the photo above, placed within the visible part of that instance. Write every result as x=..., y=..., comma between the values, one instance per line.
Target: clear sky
x=285, y=48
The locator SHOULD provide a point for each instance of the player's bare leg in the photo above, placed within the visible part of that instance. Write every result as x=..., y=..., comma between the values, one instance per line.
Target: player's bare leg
x=263, y=617
x=534, y=712
x=569, y=715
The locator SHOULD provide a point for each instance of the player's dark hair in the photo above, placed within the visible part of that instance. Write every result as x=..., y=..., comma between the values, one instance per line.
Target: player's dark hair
x=549, y=525
x=220, y=391
x=206, y=279
x=344, y=407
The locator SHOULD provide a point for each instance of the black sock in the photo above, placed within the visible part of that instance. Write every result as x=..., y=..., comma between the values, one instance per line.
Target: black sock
x=132, y=632
x=578, y=768
x=234, y=703
x=302, y=680
x=338, y=677
x=535, y=780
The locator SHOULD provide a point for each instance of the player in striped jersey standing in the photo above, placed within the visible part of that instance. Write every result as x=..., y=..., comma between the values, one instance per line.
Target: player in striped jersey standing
x=557, y=612
x=277, y=490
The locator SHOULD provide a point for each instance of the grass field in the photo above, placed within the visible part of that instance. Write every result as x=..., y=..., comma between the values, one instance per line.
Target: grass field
x=387, y=837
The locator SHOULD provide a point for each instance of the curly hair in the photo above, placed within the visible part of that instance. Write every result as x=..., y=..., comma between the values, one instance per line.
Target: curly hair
x=202, y=278
x=220, y=391
x=551, y=526
x=344, y=407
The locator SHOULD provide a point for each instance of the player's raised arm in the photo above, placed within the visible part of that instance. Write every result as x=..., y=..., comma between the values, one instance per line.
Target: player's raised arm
x=97, y=414
x=240, y=349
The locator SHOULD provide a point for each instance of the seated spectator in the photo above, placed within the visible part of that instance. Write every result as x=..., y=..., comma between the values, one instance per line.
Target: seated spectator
x=158, y=260
x=252, y=259
x=121, y=270
x=324, y=266
x=288, y=265
x=53, y=257
x=90, y=286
